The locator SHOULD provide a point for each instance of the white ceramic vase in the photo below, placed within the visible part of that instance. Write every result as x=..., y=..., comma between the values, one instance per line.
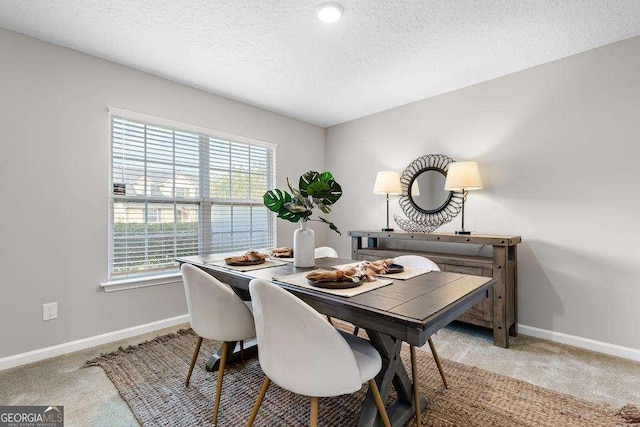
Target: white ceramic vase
x=304, y=243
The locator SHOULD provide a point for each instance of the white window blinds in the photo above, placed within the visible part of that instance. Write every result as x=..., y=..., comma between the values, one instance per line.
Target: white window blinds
x=178, y=193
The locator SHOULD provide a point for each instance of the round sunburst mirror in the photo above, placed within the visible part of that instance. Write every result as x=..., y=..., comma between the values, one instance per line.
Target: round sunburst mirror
x=424, y=200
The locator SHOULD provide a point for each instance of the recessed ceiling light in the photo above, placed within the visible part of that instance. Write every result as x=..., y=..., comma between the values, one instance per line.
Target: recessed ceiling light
x=329, y=12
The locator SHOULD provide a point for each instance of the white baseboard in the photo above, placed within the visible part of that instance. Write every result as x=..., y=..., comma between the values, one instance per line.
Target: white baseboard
x=585, y=343
x=70, y=347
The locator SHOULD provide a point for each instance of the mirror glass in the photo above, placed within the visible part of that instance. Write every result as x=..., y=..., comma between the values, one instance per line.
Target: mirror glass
x=427, y=190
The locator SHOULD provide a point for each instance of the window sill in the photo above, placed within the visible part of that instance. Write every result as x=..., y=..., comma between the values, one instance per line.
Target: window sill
x=141, y=282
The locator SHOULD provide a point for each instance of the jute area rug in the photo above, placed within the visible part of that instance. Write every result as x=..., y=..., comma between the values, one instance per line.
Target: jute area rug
x=150, y=378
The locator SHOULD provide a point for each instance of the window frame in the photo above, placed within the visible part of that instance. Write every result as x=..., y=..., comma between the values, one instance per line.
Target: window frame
x=151, y=278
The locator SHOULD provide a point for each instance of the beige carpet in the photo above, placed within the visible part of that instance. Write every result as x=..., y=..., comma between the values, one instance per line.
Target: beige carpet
x=150, y=378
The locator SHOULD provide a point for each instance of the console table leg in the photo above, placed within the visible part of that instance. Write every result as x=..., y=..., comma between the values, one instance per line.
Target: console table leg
x=500, y=332
x=513, y=330
x=500, y=317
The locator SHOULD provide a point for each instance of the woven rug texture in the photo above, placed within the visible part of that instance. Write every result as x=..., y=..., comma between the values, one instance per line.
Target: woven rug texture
x=150, y=378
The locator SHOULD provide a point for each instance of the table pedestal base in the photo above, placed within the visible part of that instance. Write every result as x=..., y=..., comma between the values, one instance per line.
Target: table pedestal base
x=250, y=349
x=392, y=372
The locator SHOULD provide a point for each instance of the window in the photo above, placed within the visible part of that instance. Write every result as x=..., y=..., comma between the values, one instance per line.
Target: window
x=178, y=191
x=153, y=215
x=183, y=192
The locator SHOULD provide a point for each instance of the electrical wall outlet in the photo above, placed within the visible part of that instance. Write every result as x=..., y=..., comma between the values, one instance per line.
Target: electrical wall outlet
x=50, y=311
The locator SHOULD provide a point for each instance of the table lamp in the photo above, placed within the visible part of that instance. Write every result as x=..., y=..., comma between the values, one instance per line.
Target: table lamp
x=463, y=176
x=387, y=182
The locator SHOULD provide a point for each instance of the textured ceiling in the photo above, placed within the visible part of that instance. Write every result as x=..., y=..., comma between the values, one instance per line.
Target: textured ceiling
x=275, y=54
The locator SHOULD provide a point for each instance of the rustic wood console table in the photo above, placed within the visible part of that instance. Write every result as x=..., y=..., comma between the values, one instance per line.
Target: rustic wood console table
x=499, y=311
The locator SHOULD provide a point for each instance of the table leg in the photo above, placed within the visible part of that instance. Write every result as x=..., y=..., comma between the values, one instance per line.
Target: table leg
x=392, y=372
x=249, y=349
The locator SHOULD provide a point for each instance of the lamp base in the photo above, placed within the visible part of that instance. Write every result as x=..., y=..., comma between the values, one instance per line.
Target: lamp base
x=387, y=229
x=463, y=232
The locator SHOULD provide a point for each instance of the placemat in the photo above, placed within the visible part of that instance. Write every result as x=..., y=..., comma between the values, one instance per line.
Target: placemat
x=268, y=263
x=408, y=273
x=300, y=279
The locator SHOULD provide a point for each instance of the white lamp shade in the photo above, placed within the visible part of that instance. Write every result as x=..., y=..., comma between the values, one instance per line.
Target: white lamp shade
x=463, y=176
x=387, y=182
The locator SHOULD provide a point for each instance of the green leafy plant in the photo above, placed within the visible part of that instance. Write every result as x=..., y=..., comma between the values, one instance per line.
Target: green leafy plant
x=315, y=190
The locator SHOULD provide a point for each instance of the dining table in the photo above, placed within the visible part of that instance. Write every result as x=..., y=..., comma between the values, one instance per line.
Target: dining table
x=403, y=311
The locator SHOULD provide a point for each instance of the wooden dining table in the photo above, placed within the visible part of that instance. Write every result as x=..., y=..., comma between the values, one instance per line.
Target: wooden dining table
x=408, y=311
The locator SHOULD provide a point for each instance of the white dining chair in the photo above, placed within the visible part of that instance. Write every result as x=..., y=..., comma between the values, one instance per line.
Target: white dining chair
x=216, y=313
x=416, y=261
x=325, y=252
x=302, y=353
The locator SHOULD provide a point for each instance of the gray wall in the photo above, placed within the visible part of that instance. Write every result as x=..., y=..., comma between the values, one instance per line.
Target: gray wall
x=54, y=174
x=558, y=148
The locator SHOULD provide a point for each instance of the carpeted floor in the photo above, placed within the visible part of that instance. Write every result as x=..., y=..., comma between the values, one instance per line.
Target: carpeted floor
x=150, y=378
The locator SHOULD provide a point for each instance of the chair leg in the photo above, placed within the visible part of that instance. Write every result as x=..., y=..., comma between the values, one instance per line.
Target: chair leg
x=437, y=359
x=313, y=419
x=223, y=362
x=329, y=319
x=193, y=361
x=414, y=375
x=256, y=407
x=356, y=329
x=376, y=396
